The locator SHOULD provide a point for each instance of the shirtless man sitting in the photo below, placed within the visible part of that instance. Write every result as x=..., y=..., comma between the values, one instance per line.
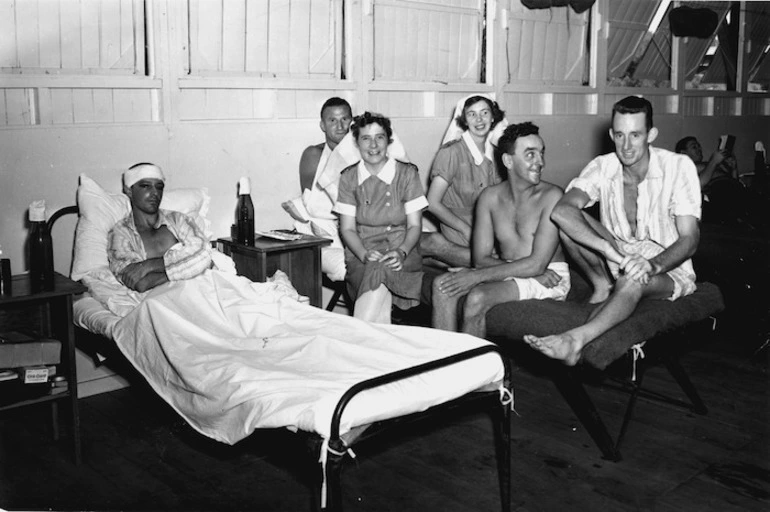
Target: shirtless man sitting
x=515, y=213
x=151, y=246
x=650, y=204
x=319, y=220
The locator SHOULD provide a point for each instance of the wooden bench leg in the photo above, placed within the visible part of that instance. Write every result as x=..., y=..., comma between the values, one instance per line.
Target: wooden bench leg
x=676, y=370
x=636, y=388
x=572, y=389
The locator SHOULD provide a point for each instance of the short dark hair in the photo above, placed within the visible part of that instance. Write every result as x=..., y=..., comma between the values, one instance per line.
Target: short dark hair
x=336, y=101
x=634, y=105
x=368, y=118
x=497, y=113
x=141, y=163
x=507, y=140
x=681, y=145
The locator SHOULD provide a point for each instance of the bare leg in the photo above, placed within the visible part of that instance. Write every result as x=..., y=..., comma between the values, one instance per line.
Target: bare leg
x=620, y=305
x=374, y=305
x=436, y=246
x=444, y=313
x=592, y=264
x=481, y=299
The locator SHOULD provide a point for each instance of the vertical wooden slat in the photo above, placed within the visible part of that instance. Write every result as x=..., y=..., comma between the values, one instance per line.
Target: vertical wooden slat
x=463, y=43
x=89, y=34
x=279, y=37
x=424, y=40
x=454, y=34
x=109, y=33
x=61, y=106
x=323, y=32
x=257, y=16
x=3, y=113
x=132, y=105
x=71, y=50
x=443, y=45
x=50, y=35
x=16, y=107
x=233, y=35
x=83, y=105
x=27, y=34
x=299, y=40
x=7, y=38
x=103, y=106
x=285, y=104
x=190, y=101
x=206, y=35
x=132, y=34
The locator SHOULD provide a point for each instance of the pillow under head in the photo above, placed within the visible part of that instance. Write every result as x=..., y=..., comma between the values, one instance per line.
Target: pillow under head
x=100, y=210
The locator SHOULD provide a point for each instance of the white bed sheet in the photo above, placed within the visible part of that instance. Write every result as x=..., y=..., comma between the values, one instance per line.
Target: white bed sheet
x=92, y=316
x=232, y=356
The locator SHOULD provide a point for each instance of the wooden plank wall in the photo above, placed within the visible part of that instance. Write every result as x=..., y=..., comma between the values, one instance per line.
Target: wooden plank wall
x=235, y=60
x=69, y=35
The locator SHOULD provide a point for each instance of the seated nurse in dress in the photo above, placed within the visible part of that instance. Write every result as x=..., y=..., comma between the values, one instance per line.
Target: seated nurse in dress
x=380, y=204
x=464, y=166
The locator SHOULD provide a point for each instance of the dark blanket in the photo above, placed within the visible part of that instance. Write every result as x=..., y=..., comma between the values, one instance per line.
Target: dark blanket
x=511, y=321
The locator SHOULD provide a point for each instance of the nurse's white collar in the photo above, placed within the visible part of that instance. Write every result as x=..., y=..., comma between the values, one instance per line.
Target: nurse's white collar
x=386, y=174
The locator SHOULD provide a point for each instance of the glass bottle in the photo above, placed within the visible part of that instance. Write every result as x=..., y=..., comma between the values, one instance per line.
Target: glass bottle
x=40, y=249
x=244, y=215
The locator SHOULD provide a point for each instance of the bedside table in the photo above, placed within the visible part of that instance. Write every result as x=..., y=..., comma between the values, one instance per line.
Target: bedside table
x=47, y=314
x=299, y=259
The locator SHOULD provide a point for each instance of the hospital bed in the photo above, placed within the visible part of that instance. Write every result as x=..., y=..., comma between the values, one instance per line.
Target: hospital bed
x=231, y=356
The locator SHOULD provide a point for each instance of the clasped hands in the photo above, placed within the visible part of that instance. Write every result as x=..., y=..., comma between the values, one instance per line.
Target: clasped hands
x=393, y=259
x=637, y=267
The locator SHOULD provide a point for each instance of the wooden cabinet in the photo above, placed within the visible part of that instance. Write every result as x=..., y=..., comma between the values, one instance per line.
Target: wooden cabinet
x=299, y=259
x=48, y=314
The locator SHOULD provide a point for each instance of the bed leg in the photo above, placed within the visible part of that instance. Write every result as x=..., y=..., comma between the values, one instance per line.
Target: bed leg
x=574, y=393
x=334, y=481
x=502, y=431
x=676, y=370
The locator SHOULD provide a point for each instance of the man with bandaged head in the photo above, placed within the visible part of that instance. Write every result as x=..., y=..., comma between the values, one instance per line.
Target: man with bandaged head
x=152, y=246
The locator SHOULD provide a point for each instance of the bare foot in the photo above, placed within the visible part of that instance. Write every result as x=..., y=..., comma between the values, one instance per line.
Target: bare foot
x=559, y=346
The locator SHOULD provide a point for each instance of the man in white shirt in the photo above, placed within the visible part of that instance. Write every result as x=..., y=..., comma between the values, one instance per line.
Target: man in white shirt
x=650, y=205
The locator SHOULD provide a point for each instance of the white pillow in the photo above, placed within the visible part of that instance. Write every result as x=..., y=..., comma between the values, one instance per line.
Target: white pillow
x=100, y=210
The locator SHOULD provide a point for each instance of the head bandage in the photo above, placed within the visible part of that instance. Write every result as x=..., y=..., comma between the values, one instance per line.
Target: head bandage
x=141, y=172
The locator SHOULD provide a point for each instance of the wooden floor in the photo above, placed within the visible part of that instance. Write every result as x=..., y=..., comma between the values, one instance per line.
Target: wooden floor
x=138, y=455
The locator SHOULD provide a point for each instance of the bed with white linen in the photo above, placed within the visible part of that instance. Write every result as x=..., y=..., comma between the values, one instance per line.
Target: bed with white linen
x=231, y=356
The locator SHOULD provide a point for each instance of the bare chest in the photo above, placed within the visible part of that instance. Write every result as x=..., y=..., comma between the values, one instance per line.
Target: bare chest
x=515, y=230
x=157, y=241
x=630, y=196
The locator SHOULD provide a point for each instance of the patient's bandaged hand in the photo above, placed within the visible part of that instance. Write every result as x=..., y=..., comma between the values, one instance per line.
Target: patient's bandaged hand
x=296, y=209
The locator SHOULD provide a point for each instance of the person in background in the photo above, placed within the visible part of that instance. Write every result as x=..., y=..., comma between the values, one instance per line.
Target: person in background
x=725, y=200
x=312, y=212
x=650, y=204
x=380, y=203
x=463, y=168
x=517, y=215
x=152, y=246
x=691, y=147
